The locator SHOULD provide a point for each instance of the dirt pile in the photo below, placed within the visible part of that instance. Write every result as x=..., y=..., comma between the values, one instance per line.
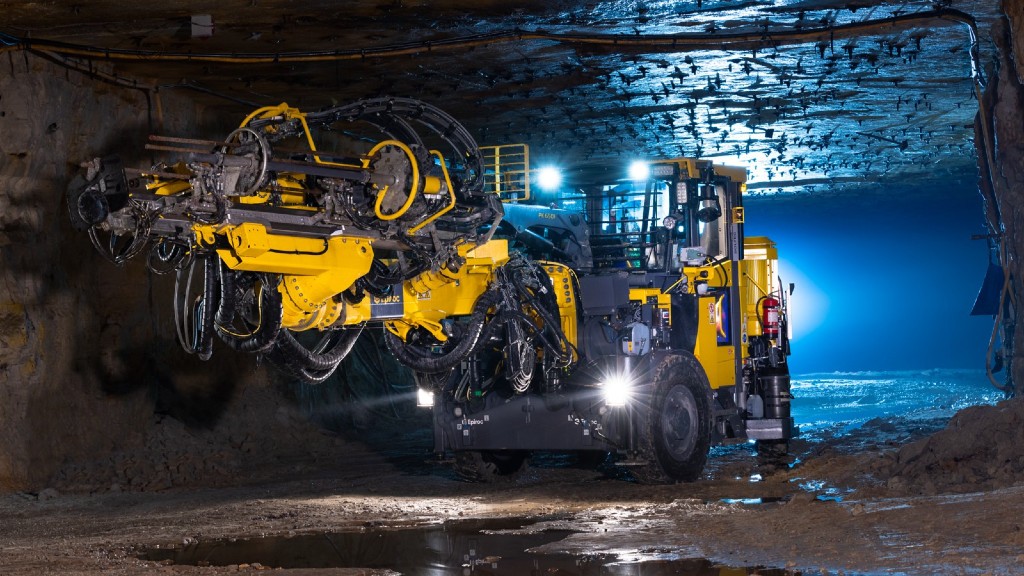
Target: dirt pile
x=260, y=436
x=982, y=448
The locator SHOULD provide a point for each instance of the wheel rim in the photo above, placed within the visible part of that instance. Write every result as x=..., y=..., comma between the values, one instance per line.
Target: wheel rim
x=679, y=422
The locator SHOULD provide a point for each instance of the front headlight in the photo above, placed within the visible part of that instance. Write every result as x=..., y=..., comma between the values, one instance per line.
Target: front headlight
x=616, y=390
x=424, y=398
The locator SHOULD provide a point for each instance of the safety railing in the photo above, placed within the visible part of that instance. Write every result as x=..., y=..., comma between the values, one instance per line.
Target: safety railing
x=507, y=171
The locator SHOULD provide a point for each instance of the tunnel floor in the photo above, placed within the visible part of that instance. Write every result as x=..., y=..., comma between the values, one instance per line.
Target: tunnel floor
x=835, y=508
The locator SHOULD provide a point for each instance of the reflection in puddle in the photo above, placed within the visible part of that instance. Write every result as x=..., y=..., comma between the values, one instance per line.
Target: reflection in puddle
x=753, y=501
x=822, y=491
x=454, y=548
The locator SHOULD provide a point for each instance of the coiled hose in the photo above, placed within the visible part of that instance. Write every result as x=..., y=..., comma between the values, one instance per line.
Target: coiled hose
x=205, y=308
x=427, y=363
x=312, y=366
x=269, y=309
x=193, y=318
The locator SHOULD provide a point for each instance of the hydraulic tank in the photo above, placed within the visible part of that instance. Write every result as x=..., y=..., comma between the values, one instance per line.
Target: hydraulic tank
x=775, y=384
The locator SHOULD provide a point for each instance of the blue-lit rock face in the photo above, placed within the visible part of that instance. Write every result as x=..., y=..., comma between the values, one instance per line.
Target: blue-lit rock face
x=817, y=113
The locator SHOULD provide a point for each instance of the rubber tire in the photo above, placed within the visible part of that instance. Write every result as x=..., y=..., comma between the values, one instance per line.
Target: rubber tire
x=675, y=435
x=489, y=465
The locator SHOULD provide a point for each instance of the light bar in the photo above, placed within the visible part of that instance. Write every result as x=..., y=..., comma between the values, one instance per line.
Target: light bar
x=662, y=170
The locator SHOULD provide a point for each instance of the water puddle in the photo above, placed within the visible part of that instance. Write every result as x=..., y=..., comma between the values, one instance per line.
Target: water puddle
x=821, y=490
x=753, y=501
x=455, y=548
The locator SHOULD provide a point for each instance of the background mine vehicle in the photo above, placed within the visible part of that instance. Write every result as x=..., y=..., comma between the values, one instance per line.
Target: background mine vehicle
x=635, y=318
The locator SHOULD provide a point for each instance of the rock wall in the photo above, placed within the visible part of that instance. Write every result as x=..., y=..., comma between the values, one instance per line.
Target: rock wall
x=1015, y=15
x=85, y=346
x=1010, y=130
x=87, y=354
x=1000, y=143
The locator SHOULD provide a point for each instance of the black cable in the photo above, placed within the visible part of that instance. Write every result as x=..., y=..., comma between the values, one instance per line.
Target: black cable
x=313, y=366
x=548, y=311
x=163, y=260
x=264, y=335
x=228, y=297
x=208, y=306
x=672, y=42
x=538, y=333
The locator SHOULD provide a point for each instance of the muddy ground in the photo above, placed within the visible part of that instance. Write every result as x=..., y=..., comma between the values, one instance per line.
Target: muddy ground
x=897, y=496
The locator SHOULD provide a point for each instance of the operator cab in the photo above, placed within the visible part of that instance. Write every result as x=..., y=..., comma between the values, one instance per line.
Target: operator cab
x=665, y=216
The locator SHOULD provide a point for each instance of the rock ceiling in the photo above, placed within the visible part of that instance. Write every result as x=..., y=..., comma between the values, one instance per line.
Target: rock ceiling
x=811, y=101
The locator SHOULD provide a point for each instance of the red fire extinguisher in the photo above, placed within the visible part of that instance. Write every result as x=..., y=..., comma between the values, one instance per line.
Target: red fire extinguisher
x=770, y=317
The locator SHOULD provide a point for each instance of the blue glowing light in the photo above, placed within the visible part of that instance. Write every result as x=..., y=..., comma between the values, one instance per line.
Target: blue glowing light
x=639, y=171
x=549, y=178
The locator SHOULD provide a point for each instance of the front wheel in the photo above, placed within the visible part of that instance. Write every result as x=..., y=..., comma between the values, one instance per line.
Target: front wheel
x=675, y=434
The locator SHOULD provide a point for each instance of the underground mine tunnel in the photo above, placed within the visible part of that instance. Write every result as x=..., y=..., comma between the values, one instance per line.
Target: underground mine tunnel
x=605, y=287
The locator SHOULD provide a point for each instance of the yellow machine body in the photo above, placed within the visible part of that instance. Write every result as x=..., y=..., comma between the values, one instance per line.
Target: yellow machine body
x=758, y=268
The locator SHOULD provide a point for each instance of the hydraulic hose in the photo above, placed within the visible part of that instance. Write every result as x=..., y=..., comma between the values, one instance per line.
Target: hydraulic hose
x=379, y=280
x=436, y=120
x=414, y=181
x=312, y=367
x=545, y=305
x=293, y=367
x=339, y=346
x=228, y=298
x=409, y=356
x=265, y=334
x=203, y=343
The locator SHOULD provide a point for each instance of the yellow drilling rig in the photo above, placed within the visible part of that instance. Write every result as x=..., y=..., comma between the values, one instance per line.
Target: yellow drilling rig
x=634, y=319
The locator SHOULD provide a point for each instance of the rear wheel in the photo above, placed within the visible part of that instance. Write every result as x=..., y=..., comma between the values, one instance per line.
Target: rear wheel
x=675, y=435
x=489, y=465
